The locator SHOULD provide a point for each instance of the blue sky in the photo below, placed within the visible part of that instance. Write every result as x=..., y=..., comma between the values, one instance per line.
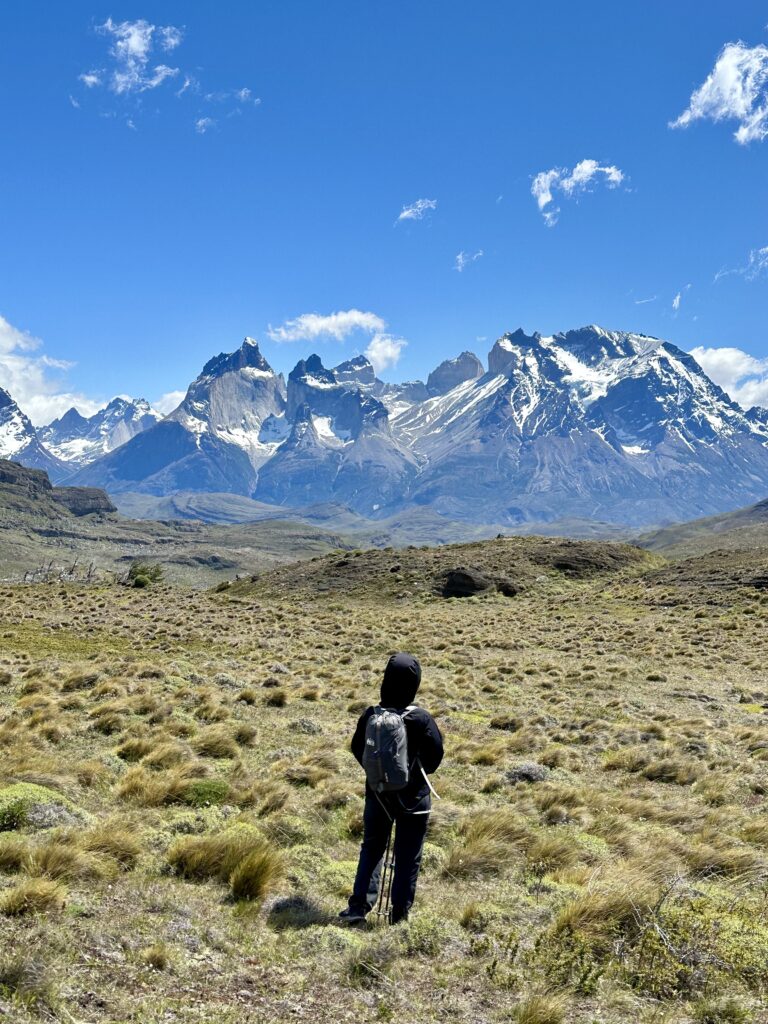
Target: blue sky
x=224, y=169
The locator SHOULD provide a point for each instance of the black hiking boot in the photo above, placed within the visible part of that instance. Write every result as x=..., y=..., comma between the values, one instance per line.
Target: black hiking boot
x=352, y=915
x=398, y=914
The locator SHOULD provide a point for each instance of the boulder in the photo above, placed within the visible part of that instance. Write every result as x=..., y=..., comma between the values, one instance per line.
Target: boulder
x=83, y=501
x=465, y=582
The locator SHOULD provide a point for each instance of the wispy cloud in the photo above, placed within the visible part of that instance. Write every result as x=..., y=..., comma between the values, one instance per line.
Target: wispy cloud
x=35, y=380
x=584, y=177
x=133, y=44
x=755, y=267
x=417, y=210
x=337, y=326
x=679, y=298
x=463, y=259
x=736, y=89
x=136, y=65
x=642, y=302
x=243, y=95
x=384, y=351
x=744, y=377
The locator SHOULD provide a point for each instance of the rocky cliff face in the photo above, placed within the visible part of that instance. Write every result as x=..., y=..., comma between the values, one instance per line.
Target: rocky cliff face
x=452, y=372
x=34, y=485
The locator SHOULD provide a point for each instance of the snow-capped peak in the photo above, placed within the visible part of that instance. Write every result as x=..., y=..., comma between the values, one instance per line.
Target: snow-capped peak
x=77, y=439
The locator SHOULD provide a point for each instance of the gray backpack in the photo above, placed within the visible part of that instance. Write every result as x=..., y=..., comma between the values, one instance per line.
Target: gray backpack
x=385, y=754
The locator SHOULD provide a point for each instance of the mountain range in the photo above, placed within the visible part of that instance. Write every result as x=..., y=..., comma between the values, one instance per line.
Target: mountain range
x=589, y=424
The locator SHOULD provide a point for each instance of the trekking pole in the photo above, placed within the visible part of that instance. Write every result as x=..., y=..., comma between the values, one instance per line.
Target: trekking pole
x=383, y=908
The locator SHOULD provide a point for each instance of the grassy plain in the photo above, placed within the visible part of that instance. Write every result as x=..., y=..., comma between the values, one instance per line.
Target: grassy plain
x=180, y=816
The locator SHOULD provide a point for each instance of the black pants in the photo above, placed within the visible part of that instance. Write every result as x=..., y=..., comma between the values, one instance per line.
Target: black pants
x=410, y=830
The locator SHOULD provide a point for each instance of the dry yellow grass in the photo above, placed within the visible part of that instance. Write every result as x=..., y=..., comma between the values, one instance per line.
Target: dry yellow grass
x=179, y=761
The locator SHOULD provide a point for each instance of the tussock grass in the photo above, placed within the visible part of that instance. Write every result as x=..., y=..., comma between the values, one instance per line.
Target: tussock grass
x=28, y=980
x=157, y=956
x=115, y=840
x=33, y=896
x=56, y=860
x=625, y=887
x=372, y=962
x=614, y=899
x=215, y=742
x=541, y=1009
x=153, y=789
x=488, y=844
x=257, y=874
x=14, y=851
x=215, y=856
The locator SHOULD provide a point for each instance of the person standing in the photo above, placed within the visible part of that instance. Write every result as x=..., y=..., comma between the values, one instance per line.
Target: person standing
x=404, y=804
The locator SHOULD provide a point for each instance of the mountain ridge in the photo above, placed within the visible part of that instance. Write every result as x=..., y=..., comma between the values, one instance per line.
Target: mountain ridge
x=588, y=424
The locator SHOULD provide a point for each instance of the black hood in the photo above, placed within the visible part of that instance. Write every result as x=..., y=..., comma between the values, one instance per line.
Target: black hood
x=402, y=677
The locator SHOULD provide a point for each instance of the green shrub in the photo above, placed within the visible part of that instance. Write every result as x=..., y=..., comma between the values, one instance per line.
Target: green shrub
x=13, y=815
x=726, y=1010
x=143, y=574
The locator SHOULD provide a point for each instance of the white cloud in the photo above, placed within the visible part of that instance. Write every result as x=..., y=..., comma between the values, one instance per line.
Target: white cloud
x=465, y=258
x=584, y=177
x=35, y=380
x=137, y=65
x=744, y=377
x=736, y=89
x=756, y=266
x=642, y=302
x=384, y=351
x=676, y=302
x=132, y=49
x=417, y=210
x=243, y=95
x=170, y=37
x=311, y=326
x=133, y=43
x=169, y=401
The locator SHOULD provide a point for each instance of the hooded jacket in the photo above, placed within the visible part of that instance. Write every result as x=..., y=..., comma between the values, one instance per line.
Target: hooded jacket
x=399, y=687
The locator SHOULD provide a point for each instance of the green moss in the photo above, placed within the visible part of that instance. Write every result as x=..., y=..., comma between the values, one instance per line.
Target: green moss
x=337, y=878
x=15, y=801
x=204, y=792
